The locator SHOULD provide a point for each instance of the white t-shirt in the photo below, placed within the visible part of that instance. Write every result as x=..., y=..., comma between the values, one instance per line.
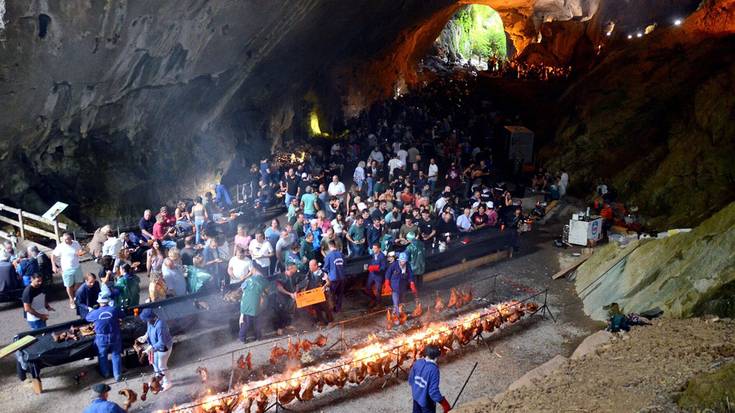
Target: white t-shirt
x=433, y=170
x=402, y=155
x=336, y=226
x=376, y=156
x=336, y=188
x=261, y=252
x=240, y=268
x=394, y=164
x=112, y=247
x=67, y=255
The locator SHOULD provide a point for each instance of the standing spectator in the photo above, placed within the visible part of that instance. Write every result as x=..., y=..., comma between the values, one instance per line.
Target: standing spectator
x=45, y=267
x=26, y=267
x=359, y=175
x=337, y=189
x=334, y=267
x=356, y=237
x=199, y=211
x=309, y=204
x=154, y=259
x=433, y=174
x=376, y=156
x=214, y=261
x=273, y=232
x=160, y=344
x=261, y=251
x=376, y=271
x=239, y=266
x=71, y=271
x=315, y=278
x=254, y=290
x=290, y=186
x=35, y=303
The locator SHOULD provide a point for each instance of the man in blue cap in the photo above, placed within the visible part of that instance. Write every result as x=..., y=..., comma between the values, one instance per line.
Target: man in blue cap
x=424, y=381
x=400, y=276
x=101, y=405
x=108, y=338
x=160, y=343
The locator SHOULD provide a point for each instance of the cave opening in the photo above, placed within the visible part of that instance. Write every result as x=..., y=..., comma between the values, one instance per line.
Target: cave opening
x=475, y=34
x=44, y=20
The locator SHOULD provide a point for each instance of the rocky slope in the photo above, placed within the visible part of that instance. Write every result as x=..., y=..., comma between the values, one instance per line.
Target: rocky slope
x=643, y=371
x=684, y=274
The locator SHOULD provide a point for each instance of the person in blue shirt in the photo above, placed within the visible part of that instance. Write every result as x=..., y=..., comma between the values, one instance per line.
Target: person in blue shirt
x=400, y=276
x=26, y=267
x=222, y=196
x=376, y=271
x=160, y=343
x=334, y=267
x=108, y=338
x=424, y=381
x=101, y=405
x=86, y=296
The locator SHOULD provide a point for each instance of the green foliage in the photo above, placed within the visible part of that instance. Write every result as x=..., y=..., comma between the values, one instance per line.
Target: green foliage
x=479, y=32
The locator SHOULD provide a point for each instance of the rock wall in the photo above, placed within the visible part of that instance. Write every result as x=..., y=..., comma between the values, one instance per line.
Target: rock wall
x=654, y=120
x=117, y=105
x=684, y=274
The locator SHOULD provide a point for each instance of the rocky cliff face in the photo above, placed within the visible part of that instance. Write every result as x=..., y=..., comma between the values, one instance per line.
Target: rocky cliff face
x=116, y=105
x=113, y=105
x=654, y=120
x=685, y=274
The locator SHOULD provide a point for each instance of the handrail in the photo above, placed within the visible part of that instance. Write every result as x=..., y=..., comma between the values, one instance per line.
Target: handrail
x=24, y=226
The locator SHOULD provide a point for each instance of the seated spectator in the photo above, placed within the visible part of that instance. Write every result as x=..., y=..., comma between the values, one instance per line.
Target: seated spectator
x=163, y=233
x=26, y=267
x=9, y=278
x=146, y=225
x=480, y=219
x=464, y=223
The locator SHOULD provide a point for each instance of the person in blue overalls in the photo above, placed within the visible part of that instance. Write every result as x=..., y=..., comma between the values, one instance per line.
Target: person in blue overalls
x=400, y=277
x=334, y=267
x=424, y=381
x=376, y=271
x=101, y=404
x=108, y=337
x=160, y=343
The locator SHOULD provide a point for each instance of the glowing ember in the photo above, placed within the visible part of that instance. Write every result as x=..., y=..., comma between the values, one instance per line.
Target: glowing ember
x=375, y=359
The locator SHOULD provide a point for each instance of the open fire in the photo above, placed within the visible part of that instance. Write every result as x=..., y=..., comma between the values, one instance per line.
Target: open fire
x=375, y=359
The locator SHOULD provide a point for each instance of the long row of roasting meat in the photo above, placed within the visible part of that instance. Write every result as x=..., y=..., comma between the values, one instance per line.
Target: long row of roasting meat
x=372, y=360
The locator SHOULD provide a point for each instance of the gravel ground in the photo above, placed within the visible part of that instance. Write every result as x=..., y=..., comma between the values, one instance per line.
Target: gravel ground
x=506, y=356
x=639, y=371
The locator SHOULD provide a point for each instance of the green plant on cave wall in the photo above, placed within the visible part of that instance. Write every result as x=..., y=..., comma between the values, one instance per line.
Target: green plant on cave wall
x=477, y=31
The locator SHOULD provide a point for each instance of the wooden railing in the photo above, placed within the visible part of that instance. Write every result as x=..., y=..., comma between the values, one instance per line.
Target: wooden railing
x=29, y=222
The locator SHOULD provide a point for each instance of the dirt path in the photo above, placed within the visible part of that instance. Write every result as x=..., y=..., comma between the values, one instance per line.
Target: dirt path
x=640, y=371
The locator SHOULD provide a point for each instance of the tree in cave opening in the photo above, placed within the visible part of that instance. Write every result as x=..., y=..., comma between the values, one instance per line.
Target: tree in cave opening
x=475, y=33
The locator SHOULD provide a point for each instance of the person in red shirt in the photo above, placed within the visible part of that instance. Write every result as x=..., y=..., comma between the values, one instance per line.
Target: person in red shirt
x=480, y=218
x=163, y=233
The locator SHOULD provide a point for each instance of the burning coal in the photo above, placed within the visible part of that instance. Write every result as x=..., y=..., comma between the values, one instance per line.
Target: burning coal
x=375, y=359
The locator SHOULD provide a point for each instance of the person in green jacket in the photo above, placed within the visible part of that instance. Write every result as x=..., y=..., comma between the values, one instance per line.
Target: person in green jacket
x=306, y=249
x=128, y=284
x=416, y=254
x=254, y=292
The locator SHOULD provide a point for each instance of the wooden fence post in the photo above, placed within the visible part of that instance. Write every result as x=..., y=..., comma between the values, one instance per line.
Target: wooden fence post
x=56, y=231
x=20, y=222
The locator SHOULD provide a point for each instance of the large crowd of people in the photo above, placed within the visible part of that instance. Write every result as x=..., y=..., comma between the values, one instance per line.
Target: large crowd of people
x=413, y=174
